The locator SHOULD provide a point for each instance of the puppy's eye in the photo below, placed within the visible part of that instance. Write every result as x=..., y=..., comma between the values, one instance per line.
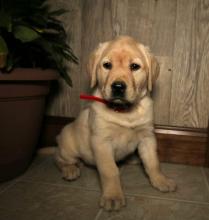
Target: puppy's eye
x=107, y=65
x=134, y=66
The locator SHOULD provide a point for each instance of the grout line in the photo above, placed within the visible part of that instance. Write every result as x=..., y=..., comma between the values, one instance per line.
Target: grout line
x=204, y=177
x=20, y=177
x=60, y=184
x=10, y=185
x=32, y=166
x=126, y=194
x=168, y=199
x=98, y=214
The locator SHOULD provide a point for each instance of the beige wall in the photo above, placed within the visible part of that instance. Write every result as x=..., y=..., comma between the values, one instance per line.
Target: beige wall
x=177, y=31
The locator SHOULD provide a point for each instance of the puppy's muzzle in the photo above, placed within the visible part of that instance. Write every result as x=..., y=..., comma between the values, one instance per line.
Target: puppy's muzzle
x=118, y=89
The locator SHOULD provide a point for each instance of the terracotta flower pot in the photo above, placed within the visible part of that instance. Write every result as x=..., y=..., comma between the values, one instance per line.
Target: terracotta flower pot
x=22, y=104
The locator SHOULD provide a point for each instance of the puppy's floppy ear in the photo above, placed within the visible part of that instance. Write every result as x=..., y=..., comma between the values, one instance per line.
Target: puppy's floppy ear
x=153, y=66
x=93, y=62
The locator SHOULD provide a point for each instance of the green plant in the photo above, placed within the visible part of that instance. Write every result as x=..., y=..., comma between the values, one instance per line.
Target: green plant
x=31, y=35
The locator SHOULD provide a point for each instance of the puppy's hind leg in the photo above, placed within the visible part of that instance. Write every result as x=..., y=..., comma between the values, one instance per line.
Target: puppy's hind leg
x=69, y=165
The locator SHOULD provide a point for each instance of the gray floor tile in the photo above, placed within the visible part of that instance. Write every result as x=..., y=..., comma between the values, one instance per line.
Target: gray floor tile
x=29, y=200
x=191, y=184
x=154, y=209
x=40, y=193
x=47, y=172
x=35, y=163
x=206, y=171
x=8, y=215
x=5, y=185
x=44, y=170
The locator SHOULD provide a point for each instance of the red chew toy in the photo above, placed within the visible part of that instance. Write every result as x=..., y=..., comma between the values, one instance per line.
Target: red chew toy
x=115, y=107
x=93, y=98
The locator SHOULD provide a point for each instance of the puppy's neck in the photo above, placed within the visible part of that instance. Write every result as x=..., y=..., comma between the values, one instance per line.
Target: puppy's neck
x=139, y=116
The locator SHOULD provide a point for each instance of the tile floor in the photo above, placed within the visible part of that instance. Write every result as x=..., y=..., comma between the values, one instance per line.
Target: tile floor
x=41, y=194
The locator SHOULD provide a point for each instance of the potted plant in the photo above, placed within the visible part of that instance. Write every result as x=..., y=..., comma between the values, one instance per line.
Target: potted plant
x=33, y=51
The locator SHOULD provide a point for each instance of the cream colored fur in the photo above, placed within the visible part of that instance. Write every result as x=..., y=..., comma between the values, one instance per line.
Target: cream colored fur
x=101, y=136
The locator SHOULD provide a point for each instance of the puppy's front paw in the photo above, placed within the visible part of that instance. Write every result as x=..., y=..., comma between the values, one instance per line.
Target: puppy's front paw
x=70, y=172
x=112, y=202
x=163, y=183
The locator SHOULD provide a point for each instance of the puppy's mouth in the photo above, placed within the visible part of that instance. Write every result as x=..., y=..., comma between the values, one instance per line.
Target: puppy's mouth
x=118, y=100
x=120, y=105
x=116, y=104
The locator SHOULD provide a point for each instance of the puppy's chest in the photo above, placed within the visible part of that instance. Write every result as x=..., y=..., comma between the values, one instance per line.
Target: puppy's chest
x=123, y=142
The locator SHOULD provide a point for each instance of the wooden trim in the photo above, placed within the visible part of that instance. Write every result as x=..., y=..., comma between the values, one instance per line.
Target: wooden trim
x=182, y=145
x=175, y=144
x=207, y=149
x=200, y=132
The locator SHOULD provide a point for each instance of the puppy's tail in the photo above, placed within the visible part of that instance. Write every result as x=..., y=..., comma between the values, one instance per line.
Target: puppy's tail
x=47, y=151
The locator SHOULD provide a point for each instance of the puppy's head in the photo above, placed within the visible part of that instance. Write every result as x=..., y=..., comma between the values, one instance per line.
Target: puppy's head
x=122, y=69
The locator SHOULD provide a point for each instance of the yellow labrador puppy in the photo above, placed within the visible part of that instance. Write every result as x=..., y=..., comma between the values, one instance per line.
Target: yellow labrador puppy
x=122, y=72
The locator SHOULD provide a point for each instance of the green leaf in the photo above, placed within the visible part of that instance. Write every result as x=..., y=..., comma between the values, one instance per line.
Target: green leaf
x=58, y=12
x=3, y=52
x=3, y=46
x=25, y=34
x=10, y=64
x=38, y=21
x=5, y=21
x=65, y=76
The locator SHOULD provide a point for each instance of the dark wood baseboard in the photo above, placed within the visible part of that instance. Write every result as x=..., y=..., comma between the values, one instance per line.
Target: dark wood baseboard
x=51, y=128
x=182, y=145
x=175, y=144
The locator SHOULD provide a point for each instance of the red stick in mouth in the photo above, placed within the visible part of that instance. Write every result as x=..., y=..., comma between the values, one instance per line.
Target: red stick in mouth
x=111, y=105
x=93, y=98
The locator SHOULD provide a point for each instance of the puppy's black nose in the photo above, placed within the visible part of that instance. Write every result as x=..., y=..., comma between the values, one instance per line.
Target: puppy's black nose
x=118, y=88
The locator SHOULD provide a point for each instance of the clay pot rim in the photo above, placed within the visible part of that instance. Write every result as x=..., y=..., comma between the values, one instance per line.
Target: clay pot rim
x=29, y=74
